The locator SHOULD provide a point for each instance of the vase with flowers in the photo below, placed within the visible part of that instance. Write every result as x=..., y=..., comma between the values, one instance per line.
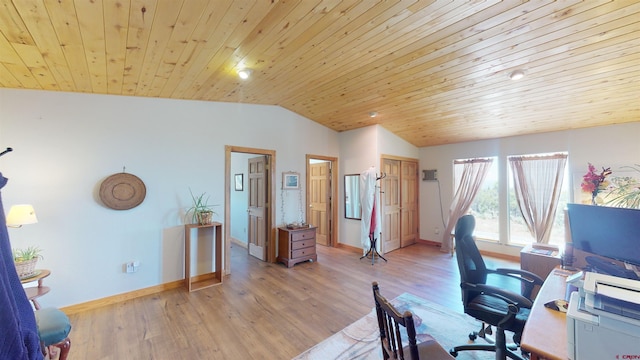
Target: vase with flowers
x=593, y=182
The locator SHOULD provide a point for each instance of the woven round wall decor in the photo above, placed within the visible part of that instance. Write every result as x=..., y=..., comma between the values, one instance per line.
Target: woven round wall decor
x=122, y=191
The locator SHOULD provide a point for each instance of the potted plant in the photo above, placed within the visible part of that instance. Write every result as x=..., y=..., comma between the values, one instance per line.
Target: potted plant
x=25, y=260
x=201, y=212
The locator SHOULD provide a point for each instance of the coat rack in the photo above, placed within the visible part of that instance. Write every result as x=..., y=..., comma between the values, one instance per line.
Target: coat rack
x=372, y=239
x=6, y=151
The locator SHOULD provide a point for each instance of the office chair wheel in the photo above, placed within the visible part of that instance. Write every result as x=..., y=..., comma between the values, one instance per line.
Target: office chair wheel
x=453, y=353
x=473, y=336
x=488, y=330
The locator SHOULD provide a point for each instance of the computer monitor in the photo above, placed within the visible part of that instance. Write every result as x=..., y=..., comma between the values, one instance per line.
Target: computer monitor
x=606, y=231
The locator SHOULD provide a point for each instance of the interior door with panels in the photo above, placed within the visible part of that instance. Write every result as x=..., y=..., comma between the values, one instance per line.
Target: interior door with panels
x=257, y=227
x=390, y=198
x=409, y=216
x=320, y=200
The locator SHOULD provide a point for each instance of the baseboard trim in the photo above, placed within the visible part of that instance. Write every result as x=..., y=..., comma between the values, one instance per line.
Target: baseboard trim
x=110, y=300
x=349, y=248
x=239, y=243
x=429, y=242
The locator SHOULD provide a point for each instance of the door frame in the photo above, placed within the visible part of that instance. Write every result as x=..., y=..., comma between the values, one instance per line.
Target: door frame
x=270, y=237
x=333, y=241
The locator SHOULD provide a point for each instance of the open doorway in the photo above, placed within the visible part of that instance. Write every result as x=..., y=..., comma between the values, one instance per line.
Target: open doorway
x=322, y=192
x=249, y=176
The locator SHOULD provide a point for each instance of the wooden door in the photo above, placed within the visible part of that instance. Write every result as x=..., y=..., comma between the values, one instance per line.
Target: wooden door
x=319, y=213
x=409, y=203
x=257, y=185
x=390, y=198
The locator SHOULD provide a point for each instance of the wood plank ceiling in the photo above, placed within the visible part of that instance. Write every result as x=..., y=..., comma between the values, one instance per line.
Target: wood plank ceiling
x=436, y=72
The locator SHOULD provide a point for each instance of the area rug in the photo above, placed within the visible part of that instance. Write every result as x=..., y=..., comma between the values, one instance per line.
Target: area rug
x=361, y=341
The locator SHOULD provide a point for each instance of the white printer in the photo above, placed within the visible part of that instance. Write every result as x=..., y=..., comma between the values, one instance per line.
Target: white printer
x=603, y=320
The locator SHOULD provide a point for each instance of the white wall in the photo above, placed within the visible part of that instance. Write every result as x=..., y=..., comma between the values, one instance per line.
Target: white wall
x=614, y=145
x=359, y=150
x=239, y=199
x=65, y=144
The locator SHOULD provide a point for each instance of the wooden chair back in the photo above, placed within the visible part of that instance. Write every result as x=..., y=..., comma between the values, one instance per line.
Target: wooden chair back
x=389, y=322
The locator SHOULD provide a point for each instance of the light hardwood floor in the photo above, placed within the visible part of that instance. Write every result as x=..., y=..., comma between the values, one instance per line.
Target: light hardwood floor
x=263, y=310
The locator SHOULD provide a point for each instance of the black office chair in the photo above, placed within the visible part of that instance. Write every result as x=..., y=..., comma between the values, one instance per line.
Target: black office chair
x=489, y=301
x=390, y=321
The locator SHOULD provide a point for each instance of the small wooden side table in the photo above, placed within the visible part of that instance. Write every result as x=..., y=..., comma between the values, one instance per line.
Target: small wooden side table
x=211, y=238
x=34, y=292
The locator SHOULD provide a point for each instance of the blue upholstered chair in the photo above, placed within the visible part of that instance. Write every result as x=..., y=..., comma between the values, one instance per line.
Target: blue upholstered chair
x=53, y=328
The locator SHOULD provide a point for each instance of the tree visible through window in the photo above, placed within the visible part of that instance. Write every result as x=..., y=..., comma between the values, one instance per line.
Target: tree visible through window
x=485, y=207
x=518, y=232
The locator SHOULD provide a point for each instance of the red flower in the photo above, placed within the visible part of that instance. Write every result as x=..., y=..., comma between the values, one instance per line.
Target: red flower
x=592, y=181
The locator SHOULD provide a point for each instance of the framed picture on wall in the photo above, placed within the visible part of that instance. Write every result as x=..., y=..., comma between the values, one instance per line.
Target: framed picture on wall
x=290, y=180
x=239, y=182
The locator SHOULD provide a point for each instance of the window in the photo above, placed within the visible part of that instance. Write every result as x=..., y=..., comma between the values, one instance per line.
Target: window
x=485, y=207
x=497, y=192
x=518, y=232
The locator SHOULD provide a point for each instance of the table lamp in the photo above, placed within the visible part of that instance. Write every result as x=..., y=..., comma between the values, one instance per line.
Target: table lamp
x=21, y=215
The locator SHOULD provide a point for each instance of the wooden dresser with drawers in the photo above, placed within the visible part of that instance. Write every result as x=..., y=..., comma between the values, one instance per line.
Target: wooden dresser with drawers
x=296, y=245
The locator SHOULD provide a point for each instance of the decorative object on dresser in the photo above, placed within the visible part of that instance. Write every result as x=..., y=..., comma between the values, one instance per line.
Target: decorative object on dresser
x=296, y=244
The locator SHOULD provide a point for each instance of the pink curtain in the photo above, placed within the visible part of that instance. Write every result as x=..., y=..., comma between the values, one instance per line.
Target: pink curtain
x=537, y=181
x=473, y=174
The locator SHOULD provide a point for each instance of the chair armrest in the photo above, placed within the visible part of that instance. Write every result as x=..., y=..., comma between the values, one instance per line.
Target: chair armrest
x=524, y=275
x=528, y=279
x=508, y=296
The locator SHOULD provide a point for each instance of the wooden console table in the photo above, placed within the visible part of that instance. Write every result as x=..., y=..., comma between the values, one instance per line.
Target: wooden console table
x=207, y=253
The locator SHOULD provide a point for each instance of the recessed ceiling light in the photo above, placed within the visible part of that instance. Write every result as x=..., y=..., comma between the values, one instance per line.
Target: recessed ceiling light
x=516, y=75
x=244, y=73
x=373, y=114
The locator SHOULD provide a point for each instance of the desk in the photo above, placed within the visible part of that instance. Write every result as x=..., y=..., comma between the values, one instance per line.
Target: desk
x=35, y=292
x=545, y=334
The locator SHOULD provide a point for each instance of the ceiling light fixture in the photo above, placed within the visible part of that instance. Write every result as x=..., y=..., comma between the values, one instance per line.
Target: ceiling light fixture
x=516, y=75
x=244, y=73
x=373, y=114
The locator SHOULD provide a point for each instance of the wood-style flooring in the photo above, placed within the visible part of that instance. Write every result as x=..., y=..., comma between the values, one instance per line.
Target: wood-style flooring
x=263, y=310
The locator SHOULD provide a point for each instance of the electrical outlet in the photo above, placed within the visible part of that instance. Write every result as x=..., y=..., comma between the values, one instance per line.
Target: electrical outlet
x=436, y=230
x=131, y=266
